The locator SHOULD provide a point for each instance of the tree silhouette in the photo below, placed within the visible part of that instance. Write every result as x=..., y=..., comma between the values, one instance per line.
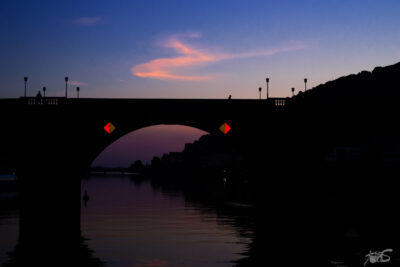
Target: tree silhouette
x=137, y=166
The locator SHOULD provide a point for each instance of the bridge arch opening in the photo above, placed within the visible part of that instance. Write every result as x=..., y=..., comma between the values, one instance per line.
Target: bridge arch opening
x=145, y=143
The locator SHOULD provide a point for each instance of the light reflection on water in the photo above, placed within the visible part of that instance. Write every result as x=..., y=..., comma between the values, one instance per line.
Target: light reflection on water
x=135, y=225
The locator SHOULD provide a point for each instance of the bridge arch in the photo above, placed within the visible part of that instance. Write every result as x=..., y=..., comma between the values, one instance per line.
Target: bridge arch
x=134, y=144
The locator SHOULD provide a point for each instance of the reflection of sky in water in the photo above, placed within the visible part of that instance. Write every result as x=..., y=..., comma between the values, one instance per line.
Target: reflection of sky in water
x=132, y=225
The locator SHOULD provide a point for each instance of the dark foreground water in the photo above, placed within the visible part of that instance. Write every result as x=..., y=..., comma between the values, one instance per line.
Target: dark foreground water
x=9, y=222
x=131, y=223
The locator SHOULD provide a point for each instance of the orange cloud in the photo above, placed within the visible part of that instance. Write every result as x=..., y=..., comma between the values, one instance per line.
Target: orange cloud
x=165, y=68
x=162, y=68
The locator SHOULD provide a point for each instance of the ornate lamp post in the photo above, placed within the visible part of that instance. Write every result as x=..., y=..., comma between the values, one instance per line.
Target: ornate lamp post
x=66, y=89
x=25, y=79
x=305, y=84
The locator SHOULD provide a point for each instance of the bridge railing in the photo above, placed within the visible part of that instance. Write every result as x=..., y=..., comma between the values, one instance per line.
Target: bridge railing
x=52, y=101
x=279, y=102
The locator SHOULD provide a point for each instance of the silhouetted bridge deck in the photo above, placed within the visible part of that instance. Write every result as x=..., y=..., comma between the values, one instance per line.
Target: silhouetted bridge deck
x=58, y=132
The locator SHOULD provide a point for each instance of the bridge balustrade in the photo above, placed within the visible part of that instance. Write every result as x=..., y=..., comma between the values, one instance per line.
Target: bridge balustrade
x=53, y=101
x=280, y=102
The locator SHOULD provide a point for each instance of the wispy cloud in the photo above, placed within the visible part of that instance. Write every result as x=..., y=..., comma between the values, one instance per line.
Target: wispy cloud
x=162, y=68
x=77, y=83
x=189, y=56
x=87, y=20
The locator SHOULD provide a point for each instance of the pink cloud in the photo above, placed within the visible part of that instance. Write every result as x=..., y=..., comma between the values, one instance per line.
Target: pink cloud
x=190, y=56
x=291, y=46
x=151, y=263
x=87, y=20
x=162, y=68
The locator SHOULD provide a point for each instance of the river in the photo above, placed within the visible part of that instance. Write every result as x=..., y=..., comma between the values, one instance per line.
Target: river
x=132, y=223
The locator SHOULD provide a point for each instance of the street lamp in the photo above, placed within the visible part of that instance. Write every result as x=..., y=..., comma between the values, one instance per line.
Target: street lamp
x=267, y=87
x=66, y=90
x=305, y=84
x=44, y=91
x=77, y=90
x=259, y=90
x=292, y=91
x=25, y=79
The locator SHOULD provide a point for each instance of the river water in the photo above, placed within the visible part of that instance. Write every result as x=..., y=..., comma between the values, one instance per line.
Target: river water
x=131, y=223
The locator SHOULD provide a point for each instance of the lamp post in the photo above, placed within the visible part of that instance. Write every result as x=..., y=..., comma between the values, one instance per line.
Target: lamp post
x=292, y=91
x=259, y=90
x=66, y=89
x=44, y=91
x=77, y=91
x=305, y=84
x=267, y=87
x=25, y=79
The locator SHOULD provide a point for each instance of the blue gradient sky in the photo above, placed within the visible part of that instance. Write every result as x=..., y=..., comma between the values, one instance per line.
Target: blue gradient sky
x=189, y=49
x=97, y=43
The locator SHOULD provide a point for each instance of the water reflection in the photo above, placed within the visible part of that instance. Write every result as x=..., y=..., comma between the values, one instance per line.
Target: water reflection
x=130, y=222
x=9, y=214
x=151, y=225
x=136, y=221
x=45, y=225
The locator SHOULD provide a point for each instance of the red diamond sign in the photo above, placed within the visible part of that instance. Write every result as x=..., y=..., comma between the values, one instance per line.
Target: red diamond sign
x=224, y=128
x=109, y=128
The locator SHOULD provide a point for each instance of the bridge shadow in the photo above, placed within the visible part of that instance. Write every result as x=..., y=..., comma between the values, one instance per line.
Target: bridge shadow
x=49, y=224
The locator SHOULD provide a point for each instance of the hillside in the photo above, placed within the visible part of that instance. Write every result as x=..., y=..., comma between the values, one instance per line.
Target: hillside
x=380, y=83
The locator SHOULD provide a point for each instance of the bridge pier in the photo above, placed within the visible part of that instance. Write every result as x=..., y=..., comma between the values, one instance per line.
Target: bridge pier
x=50, y=205
x=50, y=220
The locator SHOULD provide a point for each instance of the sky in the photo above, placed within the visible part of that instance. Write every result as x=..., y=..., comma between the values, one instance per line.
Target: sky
x=190, y=49
x=146, y=143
